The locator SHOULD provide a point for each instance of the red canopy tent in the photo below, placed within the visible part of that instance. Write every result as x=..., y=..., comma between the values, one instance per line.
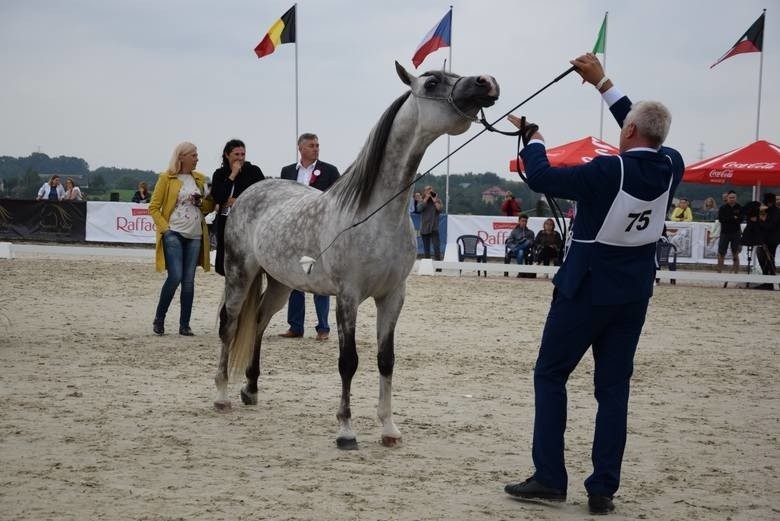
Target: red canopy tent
x=757, y=164
x=574, y=153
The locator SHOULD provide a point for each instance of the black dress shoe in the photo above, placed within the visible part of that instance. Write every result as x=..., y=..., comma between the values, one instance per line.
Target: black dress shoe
x=186, y=331
x=158, y=326
x=600, y=505
x=532, y=489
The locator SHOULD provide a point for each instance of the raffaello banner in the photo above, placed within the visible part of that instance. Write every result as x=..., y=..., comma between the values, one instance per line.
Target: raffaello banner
x=119, y=222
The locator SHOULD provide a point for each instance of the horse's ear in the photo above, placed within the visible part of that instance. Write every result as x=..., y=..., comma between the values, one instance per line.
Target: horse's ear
x=405, y=77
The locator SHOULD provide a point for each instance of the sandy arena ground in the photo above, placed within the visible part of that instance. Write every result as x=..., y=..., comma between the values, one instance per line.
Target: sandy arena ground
x=101, y=419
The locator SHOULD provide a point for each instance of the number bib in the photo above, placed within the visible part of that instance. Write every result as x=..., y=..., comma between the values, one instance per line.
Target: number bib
x=631, y=221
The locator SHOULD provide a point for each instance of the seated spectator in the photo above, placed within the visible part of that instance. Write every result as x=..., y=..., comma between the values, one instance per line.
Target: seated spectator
x=51, y=190
x=682, y=213
x=520, y=240
x=710, y=210
x=142, y=195
x=72, y=192
x=548, y=245
x=510, y=207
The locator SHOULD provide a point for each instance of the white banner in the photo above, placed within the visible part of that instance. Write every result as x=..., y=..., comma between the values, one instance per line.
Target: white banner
x=696, y=242
x=119, y=222
x=493, y=229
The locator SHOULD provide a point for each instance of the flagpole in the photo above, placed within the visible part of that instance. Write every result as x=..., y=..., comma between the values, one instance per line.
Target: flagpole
x=297, y=24
x=447, y=177
x=757, y=189
x=760, y=74
x=601, y=116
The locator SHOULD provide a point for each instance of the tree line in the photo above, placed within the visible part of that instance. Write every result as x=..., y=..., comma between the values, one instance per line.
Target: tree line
x=21, y=177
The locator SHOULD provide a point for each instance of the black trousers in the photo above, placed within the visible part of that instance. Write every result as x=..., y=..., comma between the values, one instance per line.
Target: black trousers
x=427, y=238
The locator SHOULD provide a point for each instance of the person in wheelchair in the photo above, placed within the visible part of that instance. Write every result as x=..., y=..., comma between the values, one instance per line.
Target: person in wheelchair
x=521, y=240
x=548, y=245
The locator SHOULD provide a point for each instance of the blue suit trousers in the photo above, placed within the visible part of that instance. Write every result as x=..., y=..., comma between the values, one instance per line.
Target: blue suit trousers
x=296, y=312
x=572, y=326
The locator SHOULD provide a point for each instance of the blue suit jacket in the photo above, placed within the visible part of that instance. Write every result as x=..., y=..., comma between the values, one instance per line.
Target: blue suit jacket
x=619, y=274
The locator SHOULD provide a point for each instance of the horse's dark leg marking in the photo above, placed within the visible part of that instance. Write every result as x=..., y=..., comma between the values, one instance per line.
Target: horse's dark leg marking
x=388, y=308
x=346, y=316
x=273, y=299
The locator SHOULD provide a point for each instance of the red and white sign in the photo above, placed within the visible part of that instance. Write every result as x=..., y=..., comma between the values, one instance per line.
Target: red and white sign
x=119, y=222
x=494, y=230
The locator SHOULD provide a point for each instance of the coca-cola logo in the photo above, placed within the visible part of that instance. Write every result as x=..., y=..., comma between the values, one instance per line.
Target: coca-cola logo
x=750, y=166
x=721, y=174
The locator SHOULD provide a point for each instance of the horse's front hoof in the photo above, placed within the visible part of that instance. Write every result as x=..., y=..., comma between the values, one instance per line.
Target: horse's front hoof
x=347, y=443
x=390, y=441
x=247, y=397
x=223, y=405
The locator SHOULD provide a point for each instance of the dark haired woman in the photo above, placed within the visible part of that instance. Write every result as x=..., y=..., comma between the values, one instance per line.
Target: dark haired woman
x=142, y=195
x=228, y=182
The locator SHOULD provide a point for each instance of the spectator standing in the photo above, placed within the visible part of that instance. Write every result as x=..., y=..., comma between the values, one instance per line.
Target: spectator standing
x=177, y=207
x=228, y=182
x=520, y=240
x=730, y=219
x=510, y=207
x=429, y=209
x=416, y=200
x=320, y=175
x=710, y=210
x=51, y=190
x=72, y=192
x=683, y=211
x=771, y=226
x=142, y=195
x=548, y=244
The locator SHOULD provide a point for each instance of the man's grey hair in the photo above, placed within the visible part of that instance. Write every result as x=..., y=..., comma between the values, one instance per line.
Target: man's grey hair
x=306, y=137
x=652, y=120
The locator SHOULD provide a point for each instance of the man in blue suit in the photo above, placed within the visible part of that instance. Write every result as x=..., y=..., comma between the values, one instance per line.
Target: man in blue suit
x=603, y=287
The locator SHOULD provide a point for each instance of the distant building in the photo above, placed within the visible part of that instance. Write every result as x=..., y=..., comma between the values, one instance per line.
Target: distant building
x=490, y=195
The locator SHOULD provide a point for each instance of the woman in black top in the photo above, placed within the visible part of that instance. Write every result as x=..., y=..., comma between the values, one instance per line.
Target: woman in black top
x=228, y=182
x=548, y=244
x=142, y=195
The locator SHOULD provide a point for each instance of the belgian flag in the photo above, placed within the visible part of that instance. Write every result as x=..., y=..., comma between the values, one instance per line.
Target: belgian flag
x=282, y=31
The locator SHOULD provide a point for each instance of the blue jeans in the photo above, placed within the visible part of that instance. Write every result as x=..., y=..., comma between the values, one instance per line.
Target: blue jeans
x=296, y=311
x=519, y=253
x=181, y=259
x=574, y=325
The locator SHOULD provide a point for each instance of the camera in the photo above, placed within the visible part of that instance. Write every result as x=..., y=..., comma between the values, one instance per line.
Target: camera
x=433, y=194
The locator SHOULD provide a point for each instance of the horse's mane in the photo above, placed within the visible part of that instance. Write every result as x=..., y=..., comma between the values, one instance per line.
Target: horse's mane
x=357, y=183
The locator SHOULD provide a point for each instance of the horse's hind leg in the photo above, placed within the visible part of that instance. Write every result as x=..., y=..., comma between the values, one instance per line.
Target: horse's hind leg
x=236, y=291
x=346, y=316
x=274, y=298
x=388, y=308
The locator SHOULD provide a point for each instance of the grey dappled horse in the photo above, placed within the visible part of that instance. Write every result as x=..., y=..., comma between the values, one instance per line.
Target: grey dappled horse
x=276, y=222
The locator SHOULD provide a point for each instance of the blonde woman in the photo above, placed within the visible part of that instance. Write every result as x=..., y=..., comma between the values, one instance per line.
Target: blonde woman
x=177, y=207
x=72, y=192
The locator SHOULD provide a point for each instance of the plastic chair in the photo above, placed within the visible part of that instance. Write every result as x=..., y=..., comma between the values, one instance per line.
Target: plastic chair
x=666, y=255
x=468, y=246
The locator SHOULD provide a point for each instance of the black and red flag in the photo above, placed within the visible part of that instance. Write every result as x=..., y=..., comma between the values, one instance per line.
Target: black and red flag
x=751, y=41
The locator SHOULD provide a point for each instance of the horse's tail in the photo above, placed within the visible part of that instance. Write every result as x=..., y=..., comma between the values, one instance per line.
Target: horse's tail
x=243, y=342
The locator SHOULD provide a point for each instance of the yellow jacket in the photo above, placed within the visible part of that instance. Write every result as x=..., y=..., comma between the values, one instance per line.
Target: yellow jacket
x=161, y=206
x=679, y=215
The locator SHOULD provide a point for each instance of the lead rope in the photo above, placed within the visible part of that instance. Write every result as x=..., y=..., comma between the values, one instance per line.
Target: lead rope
x=308, y=262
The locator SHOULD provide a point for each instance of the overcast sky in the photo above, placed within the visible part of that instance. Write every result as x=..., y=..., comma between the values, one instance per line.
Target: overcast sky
x=120, y=83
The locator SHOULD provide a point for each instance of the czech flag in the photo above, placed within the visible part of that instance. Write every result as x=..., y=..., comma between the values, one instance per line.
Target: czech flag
x=751, y=41
x=282, y=31
x=436, y=38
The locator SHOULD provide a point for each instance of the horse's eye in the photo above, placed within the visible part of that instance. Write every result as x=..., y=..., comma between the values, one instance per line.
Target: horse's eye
x=431, y=83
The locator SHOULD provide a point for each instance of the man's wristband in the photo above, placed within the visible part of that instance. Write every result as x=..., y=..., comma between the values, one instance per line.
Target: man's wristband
x=601, y=82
